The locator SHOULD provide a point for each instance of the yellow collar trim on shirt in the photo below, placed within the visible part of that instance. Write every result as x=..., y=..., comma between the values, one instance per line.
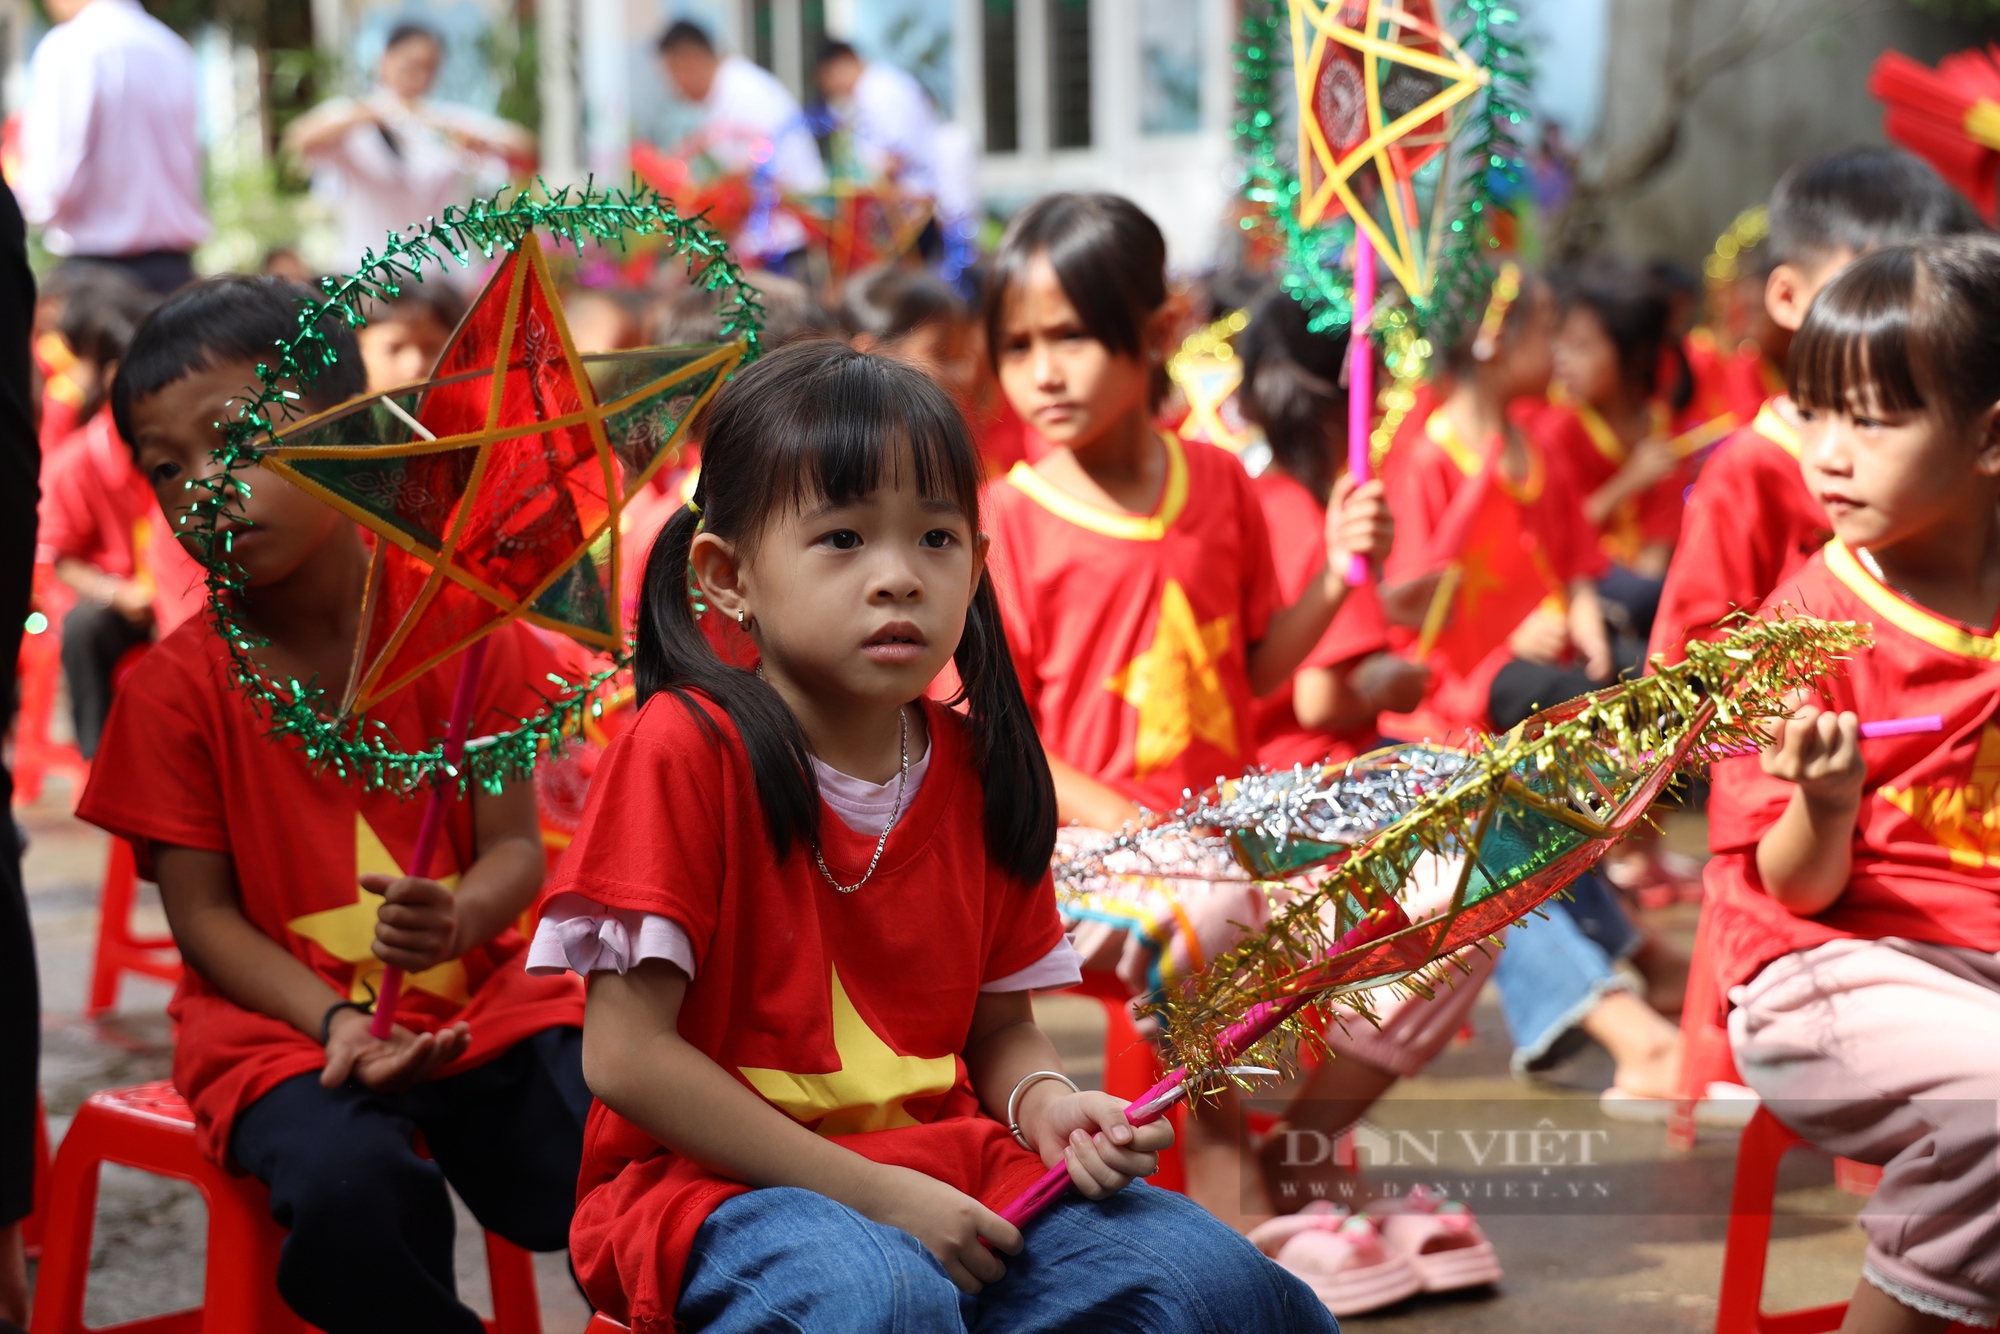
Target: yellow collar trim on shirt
x=1131, y=527
x=1599, y=430
x=1905, y=615
x=1775, y=428
x=1446, y=437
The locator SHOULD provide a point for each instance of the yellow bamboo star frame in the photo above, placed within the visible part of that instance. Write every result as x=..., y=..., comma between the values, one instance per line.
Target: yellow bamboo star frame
x=1326, y=178
x=367, y=684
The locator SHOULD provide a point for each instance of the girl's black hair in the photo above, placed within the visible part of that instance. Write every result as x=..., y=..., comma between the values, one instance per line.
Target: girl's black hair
x=1637, y=315
x=1109, y=257
x=817, y=421
x=1291, y=388
x=1908, y=328
x=235, y=317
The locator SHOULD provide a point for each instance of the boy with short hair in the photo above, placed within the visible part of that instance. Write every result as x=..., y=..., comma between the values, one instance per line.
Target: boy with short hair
x=284, y=885
x=1750, y=521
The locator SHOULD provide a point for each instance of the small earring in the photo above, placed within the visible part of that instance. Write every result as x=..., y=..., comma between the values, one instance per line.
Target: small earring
x=743, y=621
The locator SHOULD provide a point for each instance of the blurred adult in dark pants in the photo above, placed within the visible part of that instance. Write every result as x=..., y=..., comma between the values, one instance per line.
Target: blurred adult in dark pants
x=20, y=998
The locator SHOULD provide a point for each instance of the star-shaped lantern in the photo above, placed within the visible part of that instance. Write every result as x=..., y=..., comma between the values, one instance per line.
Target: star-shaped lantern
x=495, y=487
x=1380, y=88
x=858, y=225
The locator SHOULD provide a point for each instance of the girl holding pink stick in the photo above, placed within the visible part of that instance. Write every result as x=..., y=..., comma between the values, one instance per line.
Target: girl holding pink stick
x=810, y=903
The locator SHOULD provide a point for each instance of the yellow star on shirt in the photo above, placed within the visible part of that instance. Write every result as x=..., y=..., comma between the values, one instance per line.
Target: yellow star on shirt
x=1965, y=820
x=1176, y=685
x=867, y=1091
x=348, y=933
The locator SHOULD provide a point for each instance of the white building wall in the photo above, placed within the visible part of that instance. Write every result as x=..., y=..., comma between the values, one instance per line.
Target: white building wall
x=1185, y=180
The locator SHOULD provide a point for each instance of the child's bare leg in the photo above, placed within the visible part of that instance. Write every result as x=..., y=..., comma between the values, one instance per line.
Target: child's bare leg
x=1223, y=1177
x=1645, y=1046
x=1338, y=1092
x=13, y=1276
x=1873, y=1311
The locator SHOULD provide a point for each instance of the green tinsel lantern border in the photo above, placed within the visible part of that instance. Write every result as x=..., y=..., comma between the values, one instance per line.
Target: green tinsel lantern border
x=1312, y=275
x=354, y=748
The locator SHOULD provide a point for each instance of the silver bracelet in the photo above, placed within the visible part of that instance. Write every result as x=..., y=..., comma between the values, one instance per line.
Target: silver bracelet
x=1014, y=1101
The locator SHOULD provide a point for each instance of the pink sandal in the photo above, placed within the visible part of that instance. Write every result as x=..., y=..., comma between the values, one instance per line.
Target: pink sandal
x=1339, y=1255
x=1439, y=1238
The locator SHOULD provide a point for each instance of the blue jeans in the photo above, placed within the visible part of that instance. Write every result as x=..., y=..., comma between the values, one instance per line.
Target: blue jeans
x=1145, y=1261
x=1555, y=970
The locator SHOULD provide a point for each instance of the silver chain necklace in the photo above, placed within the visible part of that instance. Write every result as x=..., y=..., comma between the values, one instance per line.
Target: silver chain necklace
x=895, y=813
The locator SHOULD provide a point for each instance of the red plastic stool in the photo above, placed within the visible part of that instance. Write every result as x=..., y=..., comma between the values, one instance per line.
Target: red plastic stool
x=150, y=1127
x=604, y=1324
x=1740, y=1308
x=120, y=950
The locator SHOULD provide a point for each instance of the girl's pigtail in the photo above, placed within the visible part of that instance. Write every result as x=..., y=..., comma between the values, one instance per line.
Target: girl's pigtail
x=669, y=635
x=1020, y=794
x=674, y=653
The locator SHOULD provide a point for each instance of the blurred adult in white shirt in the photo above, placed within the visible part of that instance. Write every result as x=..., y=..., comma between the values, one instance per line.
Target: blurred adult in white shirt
x=887, y=112
x=394, y=157
x=750, y=120
x=110, y=155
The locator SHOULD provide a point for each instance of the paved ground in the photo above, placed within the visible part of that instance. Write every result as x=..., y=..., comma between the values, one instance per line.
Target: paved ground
x=1641, y=1252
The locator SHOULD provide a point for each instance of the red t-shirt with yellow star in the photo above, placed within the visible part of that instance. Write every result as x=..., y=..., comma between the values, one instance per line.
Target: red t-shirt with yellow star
x=1927, y=841
x=1428, y=467
x=1750, y=523
x=187, y=761
x=1298, y=551
x=1131, y=632
x=845, y=1011
x=1592, y=452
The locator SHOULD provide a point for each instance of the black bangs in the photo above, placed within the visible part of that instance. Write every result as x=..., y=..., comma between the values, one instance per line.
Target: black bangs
x=1109, y=257
x=816, y=422
x=1864, y=338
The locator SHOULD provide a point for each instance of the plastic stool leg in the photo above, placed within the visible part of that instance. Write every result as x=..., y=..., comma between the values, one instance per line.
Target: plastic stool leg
x=66, y=1229
x=241, y=1291
x=114, y=918
x=510, y=1273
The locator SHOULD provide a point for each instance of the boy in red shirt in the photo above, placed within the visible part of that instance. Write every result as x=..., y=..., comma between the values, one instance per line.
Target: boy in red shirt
x=284, y=888
x=1750, y=521
x=1856, y=887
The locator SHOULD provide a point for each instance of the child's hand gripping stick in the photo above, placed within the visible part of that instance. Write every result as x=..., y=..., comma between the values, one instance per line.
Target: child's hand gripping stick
x=434, y=811
x=1260, y=1022
x=1874, y=730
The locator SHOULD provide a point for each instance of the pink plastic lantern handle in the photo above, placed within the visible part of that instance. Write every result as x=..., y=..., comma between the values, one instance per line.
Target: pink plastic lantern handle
x=1259, y=1022
x=1360, y=382
x=434, y=811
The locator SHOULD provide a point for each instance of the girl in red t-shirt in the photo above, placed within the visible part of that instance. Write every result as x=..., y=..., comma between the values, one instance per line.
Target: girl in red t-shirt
x=1514, y=584
x=1133, y=567
x=1856, y=887
x=811, y=904
x=1614, y=420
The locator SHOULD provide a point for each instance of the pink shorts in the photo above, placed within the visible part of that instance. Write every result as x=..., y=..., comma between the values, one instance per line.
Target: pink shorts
x=1888, y=1052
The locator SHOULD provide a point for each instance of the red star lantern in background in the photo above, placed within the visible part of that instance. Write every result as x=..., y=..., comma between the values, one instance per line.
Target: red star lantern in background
x=857, y=226
x=1378, y=86
x=495, y=487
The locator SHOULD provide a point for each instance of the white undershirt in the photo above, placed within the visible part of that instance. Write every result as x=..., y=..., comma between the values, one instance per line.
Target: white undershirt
x=580, y=935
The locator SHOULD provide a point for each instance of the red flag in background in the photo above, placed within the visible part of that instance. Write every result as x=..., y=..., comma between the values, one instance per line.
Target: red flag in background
x=1494, y=569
